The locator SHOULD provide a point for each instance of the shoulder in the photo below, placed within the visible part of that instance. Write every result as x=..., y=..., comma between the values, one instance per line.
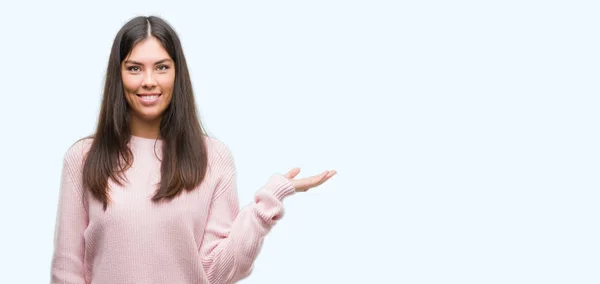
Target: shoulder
x=77, y=151
x=216, y=147
x=219, y=153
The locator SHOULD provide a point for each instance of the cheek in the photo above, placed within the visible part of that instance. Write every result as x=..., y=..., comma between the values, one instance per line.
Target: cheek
x=166, y=83
x=130, y=83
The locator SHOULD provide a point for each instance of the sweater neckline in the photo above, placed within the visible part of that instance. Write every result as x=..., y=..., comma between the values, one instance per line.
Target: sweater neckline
x=142, y=141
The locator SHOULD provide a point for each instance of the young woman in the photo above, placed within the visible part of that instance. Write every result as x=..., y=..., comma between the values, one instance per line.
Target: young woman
x=150, y=198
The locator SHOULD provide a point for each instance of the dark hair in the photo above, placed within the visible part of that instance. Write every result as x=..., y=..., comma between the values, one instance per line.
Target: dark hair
x=184, y=151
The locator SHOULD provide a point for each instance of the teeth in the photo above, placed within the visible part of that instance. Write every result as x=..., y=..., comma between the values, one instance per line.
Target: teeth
x=150, y=97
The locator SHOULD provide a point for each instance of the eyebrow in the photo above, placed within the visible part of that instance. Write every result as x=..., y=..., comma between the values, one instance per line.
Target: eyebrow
x=157, y=62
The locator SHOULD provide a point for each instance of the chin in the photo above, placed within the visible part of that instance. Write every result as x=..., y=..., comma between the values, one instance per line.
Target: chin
x=148, y=115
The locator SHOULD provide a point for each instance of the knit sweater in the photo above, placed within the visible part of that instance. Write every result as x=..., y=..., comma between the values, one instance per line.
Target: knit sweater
x=201, y=236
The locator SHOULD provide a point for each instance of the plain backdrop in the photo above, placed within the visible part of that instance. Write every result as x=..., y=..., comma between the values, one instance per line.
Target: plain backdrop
x=464, y=133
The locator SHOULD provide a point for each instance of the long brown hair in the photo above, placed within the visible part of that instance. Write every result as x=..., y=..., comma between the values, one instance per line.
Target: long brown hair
x=184, y=152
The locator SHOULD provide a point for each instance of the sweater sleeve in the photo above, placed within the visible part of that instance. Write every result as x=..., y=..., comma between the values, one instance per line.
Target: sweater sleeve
x=233, y=238
x=71, y=221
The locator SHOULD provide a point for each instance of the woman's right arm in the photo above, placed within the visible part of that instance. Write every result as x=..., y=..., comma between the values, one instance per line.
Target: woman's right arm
x=71, y=221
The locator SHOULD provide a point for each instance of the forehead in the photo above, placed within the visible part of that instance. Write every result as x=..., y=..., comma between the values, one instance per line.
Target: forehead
x=148, y=51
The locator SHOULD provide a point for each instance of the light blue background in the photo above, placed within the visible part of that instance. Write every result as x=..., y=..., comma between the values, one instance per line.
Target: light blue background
x=465, y=133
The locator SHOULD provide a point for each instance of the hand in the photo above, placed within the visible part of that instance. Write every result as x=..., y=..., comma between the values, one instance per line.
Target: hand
x=302, y=185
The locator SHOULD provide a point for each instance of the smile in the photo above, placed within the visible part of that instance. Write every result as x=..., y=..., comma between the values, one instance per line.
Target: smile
x=148, y=99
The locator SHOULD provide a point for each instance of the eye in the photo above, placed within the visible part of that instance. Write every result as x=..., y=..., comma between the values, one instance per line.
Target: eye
x=162, y=67
x=133, y=68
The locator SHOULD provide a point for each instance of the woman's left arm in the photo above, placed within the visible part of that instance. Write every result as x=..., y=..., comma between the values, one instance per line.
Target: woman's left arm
x=233, y=238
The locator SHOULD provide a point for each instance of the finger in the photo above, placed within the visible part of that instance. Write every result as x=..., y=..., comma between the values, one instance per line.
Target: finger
x=321, y=177
x=311, y=181
x=327, y=177
x=330, y=174
x=292, y=173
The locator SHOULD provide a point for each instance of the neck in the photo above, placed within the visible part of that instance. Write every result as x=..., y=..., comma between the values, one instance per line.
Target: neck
x=144, y=128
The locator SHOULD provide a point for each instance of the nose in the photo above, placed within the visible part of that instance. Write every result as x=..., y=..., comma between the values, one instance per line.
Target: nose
x=148, y=81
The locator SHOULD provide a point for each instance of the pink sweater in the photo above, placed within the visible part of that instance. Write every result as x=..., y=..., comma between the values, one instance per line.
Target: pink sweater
x=199, y=237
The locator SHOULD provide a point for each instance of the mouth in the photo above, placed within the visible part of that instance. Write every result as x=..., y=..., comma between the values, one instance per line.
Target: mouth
x=149, y=99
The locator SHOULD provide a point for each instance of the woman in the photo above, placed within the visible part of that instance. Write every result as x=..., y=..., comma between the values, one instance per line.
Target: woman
x=150, y=198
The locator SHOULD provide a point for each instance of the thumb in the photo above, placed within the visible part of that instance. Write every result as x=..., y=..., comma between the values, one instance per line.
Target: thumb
x=292, y=173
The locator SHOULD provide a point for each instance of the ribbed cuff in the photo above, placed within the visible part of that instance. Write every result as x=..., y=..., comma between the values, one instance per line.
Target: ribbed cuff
x=279, y=186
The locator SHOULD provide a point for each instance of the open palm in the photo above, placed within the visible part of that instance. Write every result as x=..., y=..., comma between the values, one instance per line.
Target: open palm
x=305, y=184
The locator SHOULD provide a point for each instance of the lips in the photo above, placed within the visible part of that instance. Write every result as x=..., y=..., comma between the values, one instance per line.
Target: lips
x=149, y=99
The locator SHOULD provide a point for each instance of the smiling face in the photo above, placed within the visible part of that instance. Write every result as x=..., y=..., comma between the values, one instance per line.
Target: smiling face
x=148, y=75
